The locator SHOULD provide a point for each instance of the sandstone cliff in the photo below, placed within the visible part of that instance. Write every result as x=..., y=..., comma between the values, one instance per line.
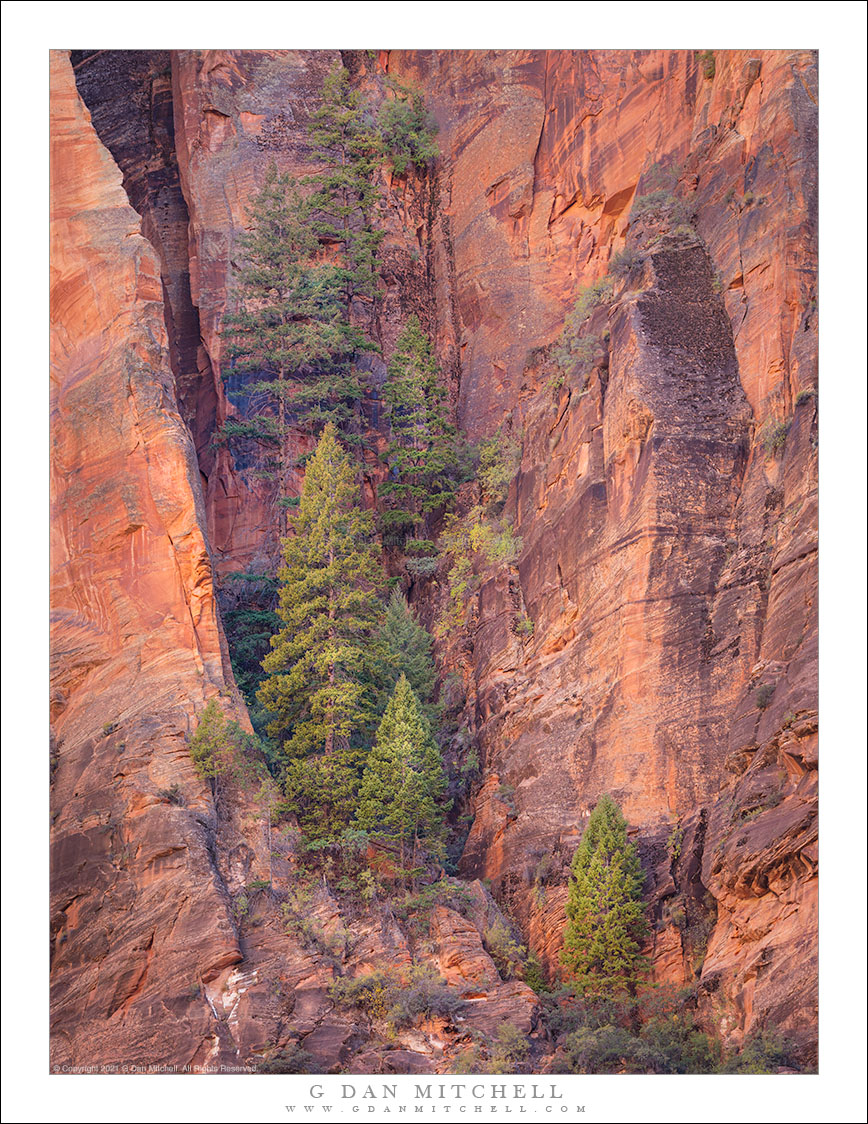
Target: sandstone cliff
x=667, y=511
x=669, y=561
x=139, y=911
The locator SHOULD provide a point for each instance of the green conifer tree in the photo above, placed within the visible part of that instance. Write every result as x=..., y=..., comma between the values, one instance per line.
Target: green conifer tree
x=605, y=917
x=422, y=451
x=297, y=323
x=403, y=779
x=330, y=586
x=407, y=128
x=405, y=649
x=347, y=143
x=289, y=326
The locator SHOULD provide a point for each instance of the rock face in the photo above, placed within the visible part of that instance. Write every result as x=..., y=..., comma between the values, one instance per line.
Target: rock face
x=666, y=505
x=667, y=508
x=139, y=912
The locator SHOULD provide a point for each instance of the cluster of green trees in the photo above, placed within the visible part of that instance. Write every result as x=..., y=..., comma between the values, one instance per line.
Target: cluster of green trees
x=346, y=684
x=349, y=679
x=339, y=673
x=306, y=289
x=341, y=681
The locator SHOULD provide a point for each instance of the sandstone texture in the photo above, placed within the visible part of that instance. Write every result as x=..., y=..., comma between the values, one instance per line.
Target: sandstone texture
x=669, y=546
x=138, y=912
x=666, y=503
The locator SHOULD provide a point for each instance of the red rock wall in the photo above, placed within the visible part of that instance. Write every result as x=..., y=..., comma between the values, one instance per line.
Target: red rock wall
x=668, y=563
x=139, y=914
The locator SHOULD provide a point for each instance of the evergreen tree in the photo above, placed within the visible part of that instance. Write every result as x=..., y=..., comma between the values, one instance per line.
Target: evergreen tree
x=405, y=649
x=403, y=779
x=297, y=323
x=330, y=607
x=605, y=917
x=422, y=450
x=347, y=143
x=222, y=751
x=407, y=128
x=289, y=326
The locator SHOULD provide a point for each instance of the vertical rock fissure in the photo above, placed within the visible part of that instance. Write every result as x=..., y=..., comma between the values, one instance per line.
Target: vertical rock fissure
x=129, y=96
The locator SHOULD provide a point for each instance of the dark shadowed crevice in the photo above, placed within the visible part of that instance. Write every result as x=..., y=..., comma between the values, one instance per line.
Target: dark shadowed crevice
x=129, y=96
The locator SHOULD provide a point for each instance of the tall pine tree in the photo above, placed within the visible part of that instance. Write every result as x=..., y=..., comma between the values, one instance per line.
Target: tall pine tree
x=308, y=263
x=422, y=449
x=403, y=779
x=348, y=145
x=605, y=917
x=330, y=606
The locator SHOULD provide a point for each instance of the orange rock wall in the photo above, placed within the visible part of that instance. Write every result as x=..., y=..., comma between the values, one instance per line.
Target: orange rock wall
x=668, y=562
x=139, y=913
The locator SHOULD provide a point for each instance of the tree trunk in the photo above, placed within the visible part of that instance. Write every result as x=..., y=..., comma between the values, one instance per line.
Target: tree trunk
x=330, y=718
x=281, y=433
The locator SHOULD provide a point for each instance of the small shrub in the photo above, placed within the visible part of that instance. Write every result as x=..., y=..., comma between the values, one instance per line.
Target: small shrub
x=763, y=1052
x=508, y=955
x=407, y=128
x=576, y=356
x=475, y=542
x=534, y=976
x=173, y=795
x=368, y=885
x=773, y=436
x=421, y=547
x=509, y=1050
x=424, y=996
x=673, y=843
x=523, y=626
x=591, y=297
x=763, y=696
x=499, y=460
x=422, y=567
x=806, y=395
x=291, y=1059
x=299, y=923
x=470, y=763
x=546, y=866
x=663, y=206
x=623, y=263
x=416, y=908
x=707, y=64
x=373, y=993
x=109, y=728
x=652, y=203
